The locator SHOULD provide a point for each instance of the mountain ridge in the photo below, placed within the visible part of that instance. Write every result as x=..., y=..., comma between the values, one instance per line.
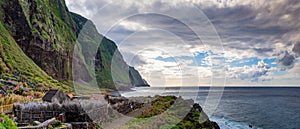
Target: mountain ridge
x=48, y=33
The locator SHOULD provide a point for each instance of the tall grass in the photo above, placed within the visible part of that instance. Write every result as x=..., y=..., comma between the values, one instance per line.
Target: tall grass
x=12, y=98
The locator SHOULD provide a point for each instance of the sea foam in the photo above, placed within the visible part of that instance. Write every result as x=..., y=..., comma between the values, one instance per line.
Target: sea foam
x=228, y=124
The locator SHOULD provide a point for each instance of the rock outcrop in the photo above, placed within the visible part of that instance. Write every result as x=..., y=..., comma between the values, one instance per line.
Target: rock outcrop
x=123, y=105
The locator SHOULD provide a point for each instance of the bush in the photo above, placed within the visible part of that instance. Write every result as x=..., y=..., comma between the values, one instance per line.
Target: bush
x=57, y=123
x=6, y=123
x=158, y=106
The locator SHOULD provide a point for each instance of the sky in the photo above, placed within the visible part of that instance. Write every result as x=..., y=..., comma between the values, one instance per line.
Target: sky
x=203, y=42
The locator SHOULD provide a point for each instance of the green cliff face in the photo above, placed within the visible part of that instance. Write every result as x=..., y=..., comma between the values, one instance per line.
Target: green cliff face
x=13, y=60
x=102, y=53
x=39, y=38
x=44, y=32
x=136, y=78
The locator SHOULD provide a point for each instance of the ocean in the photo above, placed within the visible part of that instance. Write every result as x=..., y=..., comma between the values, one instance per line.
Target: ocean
x=240, y=107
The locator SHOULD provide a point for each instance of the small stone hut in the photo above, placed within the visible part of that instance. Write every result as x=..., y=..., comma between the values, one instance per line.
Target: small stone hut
x=55, y=96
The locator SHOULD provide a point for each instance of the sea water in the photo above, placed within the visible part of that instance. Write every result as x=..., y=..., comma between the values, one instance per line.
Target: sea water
x=241, y=107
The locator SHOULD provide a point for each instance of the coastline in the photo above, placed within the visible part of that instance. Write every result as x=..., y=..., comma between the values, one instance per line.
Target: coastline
x=241, y=107
x=160, y=111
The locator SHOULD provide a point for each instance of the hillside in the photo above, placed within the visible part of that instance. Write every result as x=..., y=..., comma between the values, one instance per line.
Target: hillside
x=14, y=61
x=41, y=42
x=44, y=31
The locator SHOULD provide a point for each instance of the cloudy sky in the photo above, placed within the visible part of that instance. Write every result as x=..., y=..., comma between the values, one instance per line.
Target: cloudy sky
x=203, y=42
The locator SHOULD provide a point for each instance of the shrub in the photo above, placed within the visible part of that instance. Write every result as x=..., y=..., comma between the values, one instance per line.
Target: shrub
x=57, y=123
x=6, y=123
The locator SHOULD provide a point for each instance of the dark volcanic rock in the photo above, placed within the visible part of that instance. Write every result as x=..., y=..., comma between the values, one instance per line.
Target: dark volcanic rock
x=193, y=117
x=123, y=105
x=136, y=78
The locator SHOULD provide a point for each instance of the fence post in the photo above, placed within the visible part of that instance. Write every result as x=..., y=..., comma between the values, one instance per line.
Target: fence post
x=42, y=117
x=21, y=117
x=30, y=117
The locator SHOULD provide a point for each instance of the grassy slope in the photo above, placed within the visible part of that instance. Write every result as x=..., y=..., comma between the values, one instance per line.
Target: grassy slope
x=14, y=59
x=162, y=115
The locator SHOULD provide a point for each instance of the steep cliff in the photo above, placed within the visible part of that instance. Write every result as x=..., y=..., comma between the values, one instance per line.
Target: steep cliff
x=47, y=33
x=44, y=31
x=14, y=64
x=102, y=53
x=136, y=78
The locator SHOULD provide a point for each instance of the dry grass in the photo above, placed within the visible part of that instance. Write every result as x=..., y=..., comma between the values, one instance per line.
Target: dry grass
x=34, y=93
x=10, y=99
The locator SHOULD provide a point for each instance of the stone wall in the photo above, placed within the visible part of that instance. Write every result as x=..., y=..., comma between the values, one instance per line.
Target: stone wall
x=74, y=112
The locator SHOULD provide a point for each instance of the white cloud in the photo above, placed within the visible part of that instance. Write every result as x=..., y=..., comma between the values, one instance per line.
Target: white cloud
x=133, y=26
x=251, y=73
x=248, y=28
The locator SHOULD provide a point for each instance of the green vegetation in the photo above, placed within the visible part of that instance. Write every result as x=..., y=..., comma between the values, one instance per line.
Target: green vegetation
x=171, y=112
x=51, y=21
x=158, y=106
x=58, y=30
x=158, y=114
x=56, y=124
x=110, y=57
x=13, y=59
x=6, y=123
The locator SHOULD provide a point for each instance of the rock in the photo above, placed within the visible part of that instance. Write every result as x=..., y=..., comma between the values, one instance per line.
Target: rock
x=123, y=105
x=36, y=123
x=215, y=125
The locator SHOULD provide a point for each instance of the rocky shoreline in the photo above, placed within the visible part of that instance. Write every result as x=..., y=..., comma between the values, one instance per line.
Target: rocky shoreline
x=107, y=111
x=161, y=112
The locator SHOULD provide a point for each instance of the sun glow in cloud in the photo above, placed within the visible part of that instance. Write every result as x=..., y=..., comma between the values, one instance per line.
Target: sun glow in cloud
x=261, y=42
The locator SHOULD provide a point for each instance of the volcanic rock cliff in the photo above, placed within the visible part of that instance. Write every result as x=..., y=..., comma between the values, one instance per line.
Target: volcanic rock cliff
x=136, y=78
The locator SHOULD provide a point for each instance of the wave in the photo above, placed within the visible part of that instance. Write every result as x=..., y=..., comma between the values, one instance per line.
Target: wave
x=225, y=123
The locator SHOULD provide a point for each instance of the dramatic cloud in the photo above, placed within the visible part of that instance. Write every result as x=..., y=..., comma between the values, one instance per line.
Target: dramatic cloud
x=252, y=73
x=296, y=48
x=165, y=46
x=286, y=60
